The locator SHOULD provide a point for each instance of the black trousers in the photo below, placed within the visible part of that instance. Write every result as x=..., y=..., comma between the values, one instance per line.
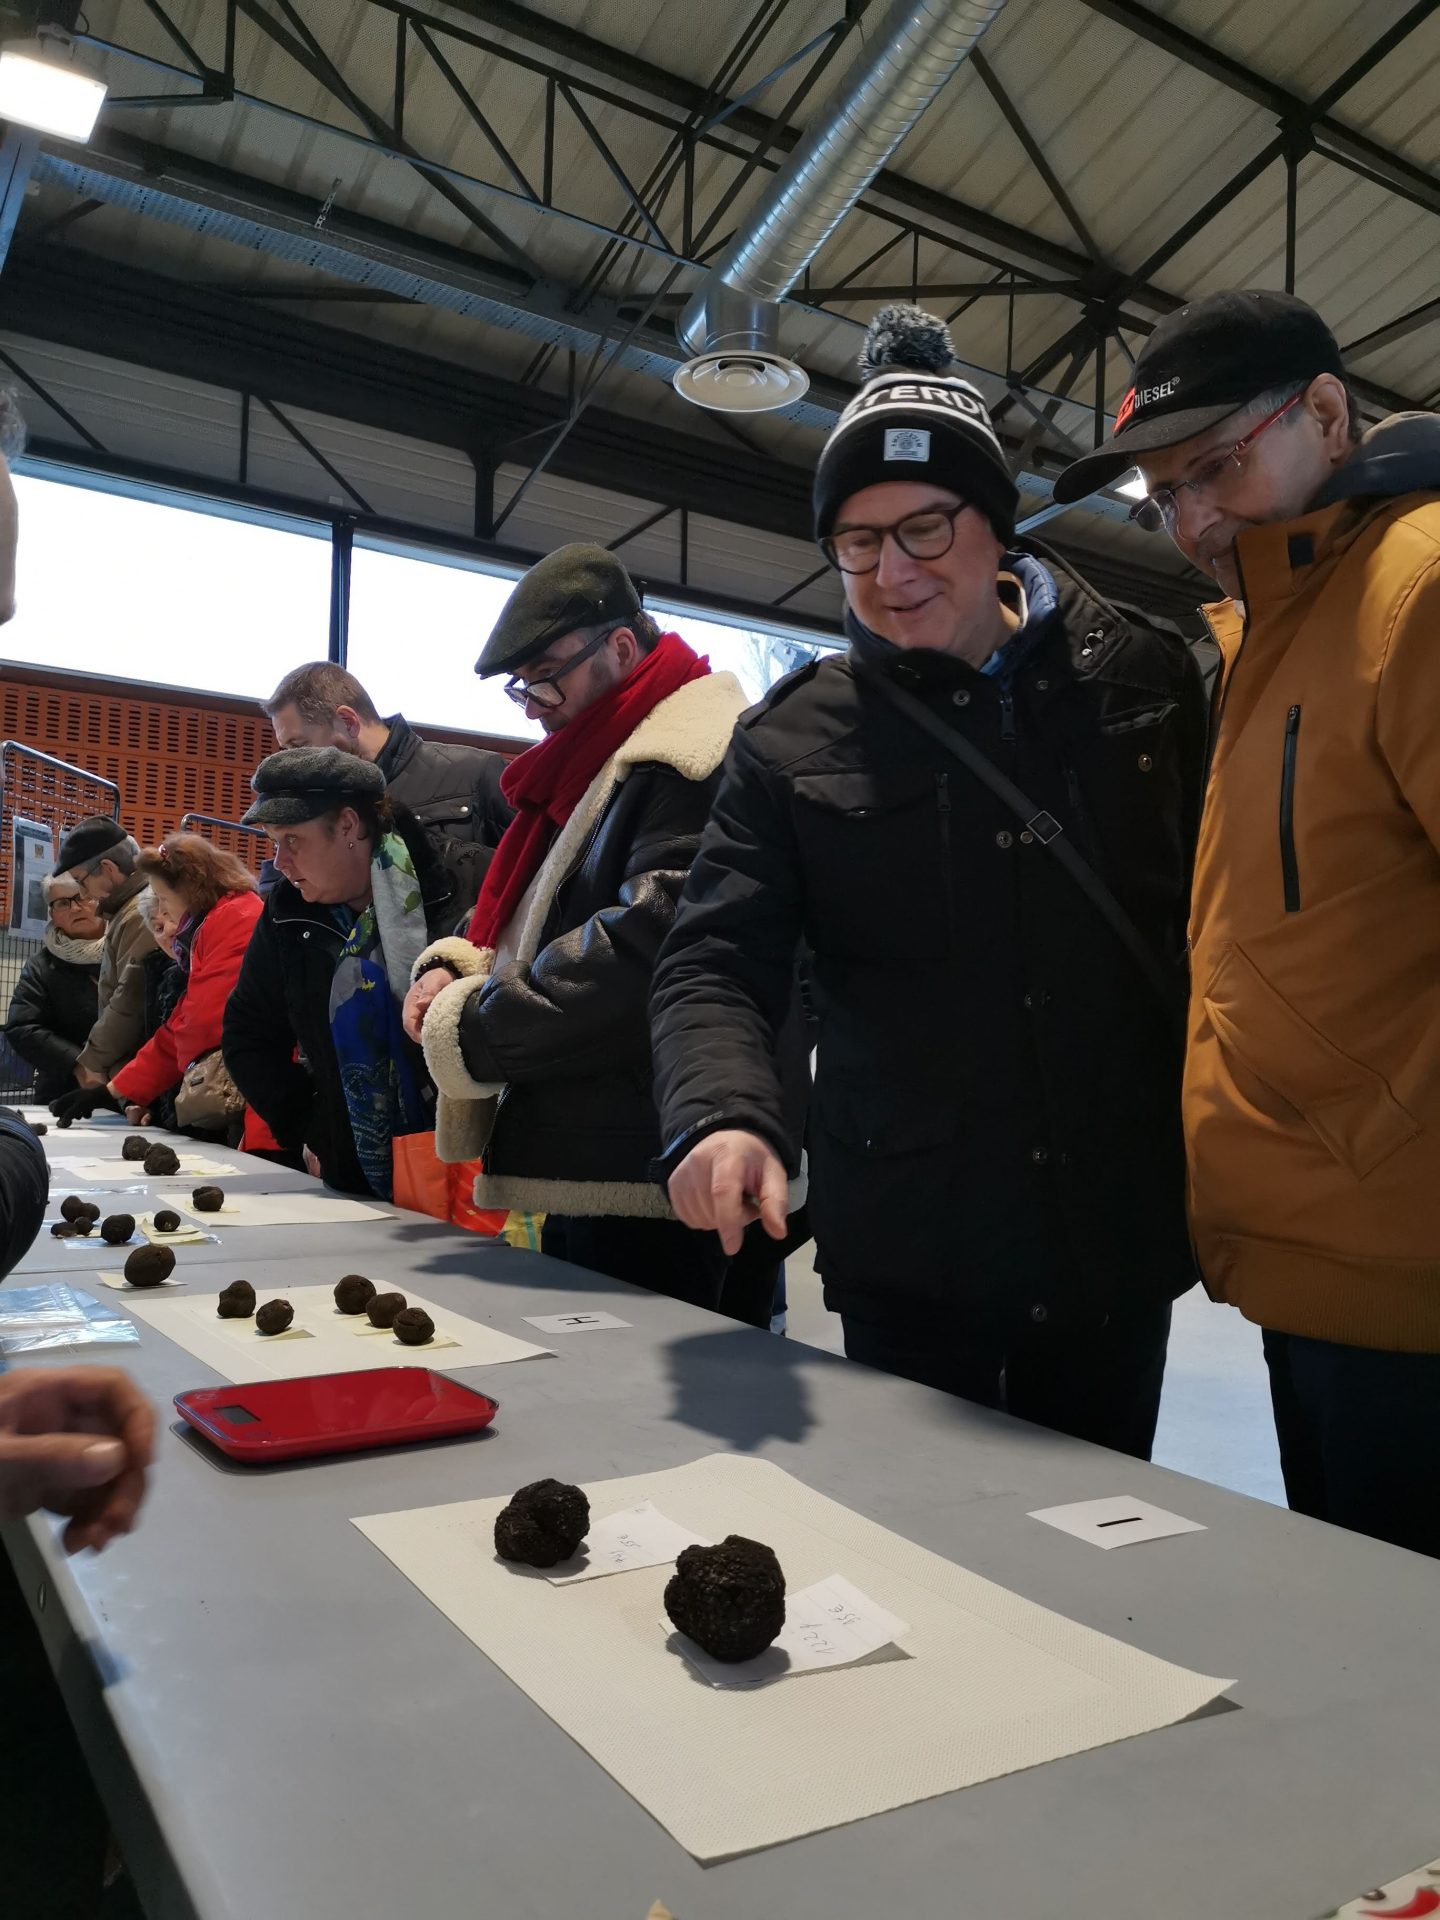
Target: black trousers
x=1357, y=1432
x=1099, y=1383
x=663, y=1255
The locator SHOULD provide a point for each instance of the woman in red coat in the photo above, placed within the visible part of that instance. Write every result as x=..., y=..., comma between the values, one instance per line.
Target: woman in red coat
x=211, y=899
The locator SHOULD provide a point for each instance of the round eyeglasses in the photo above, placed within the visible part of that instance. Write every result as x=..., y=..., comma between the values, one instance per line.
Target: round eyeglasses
x=1161, y=509
x=547, y=692
x=924, y=536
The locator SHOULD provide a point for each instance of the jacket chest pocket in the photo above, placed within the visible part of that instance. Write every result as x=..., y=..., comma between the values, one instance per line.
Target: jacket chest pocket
x=877, y=862
x=440, y=815
x=1130, y=775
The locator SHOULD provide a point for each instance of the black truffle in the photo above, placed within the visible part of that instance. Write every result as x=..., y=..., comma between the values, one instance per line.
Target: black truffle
x=162, y=1160
x=134, y=1147
x=63, y=1230
x=208, y=1199
x=274, y=1317
x=413, y=1327
x=38, y=1127
x=543, y=1524
x=167, y=1221
x=730, y=1599
x=354, y=1293
x=88, y=1211
x=117, y=1228
x=148, y=1266
x=384, y=1307
x=83, y=1224
x=71, y=1207
x=237, y=1301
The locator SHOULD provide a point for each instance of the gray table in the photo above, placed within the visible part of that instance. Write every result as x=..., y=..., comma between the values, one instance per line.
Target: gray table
x=282, y=1726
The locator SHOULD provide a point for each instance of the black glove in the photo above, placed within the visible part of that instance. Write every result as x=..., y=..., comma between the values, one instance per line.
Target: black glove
x=84, y=1101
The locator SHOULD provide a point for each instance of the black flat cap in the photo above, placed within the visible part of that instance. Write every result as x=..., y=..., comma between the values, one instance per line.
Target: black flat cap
x=87, y=840
x=301, y=783
x=576, y=586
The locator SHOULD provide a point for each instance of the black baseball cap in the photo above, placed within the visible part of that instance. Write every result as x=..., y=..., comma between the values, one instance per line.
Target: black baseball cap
x=1200, y=364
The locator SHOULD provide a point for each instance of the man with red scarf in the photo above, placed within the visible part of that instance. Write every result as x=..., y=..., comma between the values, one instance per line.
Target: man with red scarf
x=535, y=1026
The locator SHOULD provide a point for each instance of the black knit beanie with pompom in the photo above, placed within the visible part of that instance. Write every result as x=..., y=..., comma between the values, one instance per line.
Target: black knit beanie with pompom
x=914, y=420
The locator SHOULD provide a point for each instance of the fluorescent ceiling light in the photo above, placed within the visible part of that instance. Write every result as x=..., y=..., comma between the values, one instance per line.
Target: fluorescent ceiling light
x=1132, y=486
x=40, y=88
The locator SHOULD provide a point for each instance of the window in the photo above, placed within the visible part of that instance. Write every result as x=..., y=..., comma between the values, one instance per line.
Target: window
x=143, y=589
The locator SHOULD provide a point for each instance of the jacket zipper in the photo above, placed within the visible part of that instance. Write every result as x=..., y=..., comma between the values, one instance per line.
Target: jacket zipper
x=1007, y=714
x=1289, y=867
x=942, y=796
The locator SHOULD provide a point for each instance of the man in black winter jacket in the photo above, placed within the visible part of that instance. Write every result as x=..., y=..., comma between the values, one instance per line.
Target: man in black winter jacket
x=328, y=815
x=996, y=1165
x=453, y=792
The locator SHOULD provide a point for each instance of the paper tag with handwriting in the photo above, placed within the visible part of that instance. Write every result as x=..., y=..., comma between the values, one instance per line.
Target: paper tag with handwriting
x=639, y=1537
x=831, y=1624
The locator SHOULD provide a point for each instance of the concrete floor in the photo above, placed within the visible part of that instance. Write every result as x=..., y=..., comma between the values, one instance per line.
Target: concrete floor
x=1215, y=1413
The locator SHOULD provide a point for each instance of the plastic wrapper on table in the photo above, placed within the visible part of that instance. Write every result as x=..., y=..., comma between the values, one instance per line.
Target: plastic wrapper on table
x=47, y=1318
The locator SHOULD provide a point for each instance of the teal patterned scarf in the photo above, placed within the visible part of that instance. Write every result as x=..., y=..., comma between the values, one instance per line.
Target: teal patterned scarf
x=387, y=1090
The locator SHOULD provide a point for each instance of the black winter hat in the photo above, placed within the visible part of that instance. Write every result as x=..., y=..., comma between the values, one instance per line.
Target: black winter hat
x=1200, y=364
x=576, y=586
x=914, y=420
x=88, y=840
x=300, y=783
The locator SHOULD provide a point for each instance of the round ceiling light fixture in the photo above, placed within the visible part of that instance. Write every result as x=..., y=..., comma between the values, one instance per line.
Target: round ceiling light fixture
x=741, y=380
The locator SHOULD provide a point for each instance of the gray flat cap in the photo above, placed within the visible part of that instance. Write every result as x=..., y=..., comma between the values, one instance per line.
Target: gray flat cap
x=301, y=783
x=576, y=586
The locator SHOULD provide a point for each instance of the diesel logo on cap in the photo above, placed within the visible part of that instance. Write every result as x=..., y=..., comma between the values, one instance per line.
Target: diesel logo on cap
x=907, y=443
x=1144, y=397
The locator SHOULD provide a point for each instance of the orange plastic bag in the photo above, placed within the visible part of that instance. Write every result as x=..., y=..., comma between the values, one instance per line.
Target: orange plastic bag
x=426, y=1184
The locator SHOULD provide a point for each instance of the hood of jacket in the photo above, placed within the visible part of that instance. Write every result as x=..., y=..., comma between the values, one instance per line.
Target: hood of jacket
x=1400, y=455
x=71, y=952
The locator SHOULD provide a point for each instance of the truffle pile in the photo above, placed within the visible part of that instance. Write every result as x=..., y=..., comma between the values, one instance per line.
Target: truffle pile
x=162, y=1160
x=413, y=1327
x=382, y=1310
x=208, y=1199
x=730, y=1599
x=543, y=1524
x=237, y=1301
x=77, y=1218
x=354, y=1293
x=148, y=1266
x=117, y=1228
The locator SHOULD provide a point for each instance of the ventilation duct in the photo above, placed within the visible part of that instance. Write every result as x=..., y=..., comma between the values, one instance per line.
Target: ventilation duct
x=731, y=326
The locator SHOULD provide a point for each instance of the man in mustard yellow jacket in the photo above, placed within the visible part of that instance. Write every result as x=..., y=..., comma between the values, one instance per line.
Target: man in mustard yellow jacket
x=1312, y=1085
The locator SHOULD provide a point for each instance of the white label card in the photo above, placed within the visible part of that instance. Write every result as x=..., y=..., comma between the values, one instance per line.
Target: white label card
x=831, y=1624
x=1117, y=1522
x=573, y=1322
x=639, y=1536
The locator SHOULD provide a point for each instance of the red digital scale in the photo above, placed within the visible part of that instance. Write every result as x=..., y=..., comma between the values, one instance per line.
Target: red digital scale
x=334, y=1413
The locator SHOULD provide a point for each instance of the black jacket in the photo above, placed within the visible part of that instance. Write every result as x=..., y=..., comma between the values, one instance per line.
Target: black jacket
x=51, y=1013
x=996, y=1117
x=24, y=1186
x=568, y=1035
x=454, y=793
x=281, y=1002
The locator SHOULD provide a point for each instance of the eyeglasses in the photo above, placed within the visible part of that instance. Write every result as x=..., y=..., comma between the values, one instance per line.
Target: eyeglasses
x=546, y=691
x=1161, y=509
x=924, y=536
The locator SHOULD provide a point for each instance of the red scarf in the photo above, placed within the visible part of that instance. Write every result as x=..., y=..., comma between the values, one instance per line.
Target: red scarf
x=546, y=783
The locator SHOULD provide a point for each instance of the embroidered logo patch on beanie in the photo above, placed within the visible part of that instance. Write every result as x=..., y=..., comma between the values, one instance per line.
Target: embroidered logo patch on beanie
x=907, y=443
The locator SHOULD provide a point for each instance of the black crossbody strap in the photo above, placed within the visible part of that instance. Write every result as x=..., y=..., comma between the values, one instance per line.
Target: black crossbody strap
x=1051, y=835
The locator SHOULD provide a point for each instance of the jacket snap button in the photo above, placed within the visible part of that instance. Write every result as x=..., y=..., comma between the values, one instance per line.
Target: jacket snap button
x=960, y=697
x=1039, y=1156
x=1028, y=1001
x=1026, y=838
x=1146, y=762
x=1004, y=838
x=1042, y=686
x=1039, y=1314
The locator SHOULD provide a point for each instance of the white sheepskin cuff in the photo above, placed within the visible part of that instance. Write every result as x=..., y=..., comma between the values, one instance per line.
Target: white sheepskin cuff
x=462, y=1129
x=440, y=1041
x=458, y=955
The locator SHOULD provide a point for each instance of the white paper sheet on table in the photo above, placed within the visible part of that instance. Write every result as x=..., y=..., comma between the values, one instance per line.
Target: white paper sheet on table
x=122, y=1285
x=339, y=1343
x=114, y=1167
x=994, y=1683
x=276, y=1209
x=184, y=1236
x=640, y=1536
x=1115, y=1521
x=577, y=1322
